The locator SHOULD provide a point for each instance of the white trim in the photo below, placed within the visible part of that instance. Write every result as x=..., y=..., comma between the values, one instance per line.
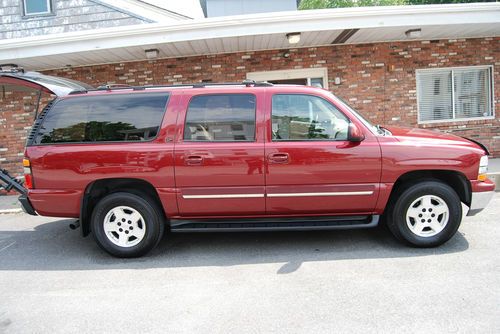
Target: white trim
x=336, y=193
x=223, y=196
x=144, y=10
x=491, y=100
x=457, y=120
x=446, y=69
x=302, y=73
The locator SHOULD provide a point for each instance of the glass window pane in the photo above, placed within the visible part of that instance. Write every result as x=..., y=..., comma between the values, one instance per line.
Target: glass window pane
x=317, y=82
x=472, y=93
x=469, y=97
x=36, y=6
x=130, y=117
x=434, y=95
x=306, y=117
x=221, y=117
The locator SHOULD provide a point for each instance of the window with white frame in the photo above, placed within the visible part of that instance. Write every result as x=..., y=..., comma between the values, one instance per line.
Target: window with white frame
x=448, y=94
x=37, y=7
x=316, y=77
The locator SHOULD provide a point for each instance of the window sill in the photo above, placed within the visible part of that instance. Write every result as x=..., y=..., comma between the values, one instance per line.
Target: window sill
x=457, y=120
x=37, y=16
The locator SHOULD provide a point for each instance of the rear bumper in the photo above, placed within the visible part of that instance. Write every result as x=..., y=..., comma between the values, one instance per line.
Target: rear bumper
x=482, y=193
x=26, y=205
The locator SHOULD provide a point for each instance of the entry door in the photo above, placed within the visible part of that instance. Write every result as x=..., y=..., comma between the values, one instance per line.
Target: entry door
x=219, y=155
x=312, y=168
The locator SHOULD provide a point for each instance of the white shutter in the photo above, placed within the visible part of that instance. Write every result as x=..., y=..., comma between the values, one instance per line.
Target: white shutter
x=454, y=93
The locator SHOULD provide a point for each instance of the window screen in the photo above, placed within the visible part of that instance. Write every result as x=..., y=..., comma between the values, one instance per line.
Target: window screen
x=307, y=117
x=221, y=117
x=447, y=94
x=127, y=117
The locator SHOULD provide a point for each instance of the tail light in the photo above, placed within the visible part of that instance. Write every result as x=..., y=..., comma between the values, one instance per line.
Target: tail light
x=28, y=178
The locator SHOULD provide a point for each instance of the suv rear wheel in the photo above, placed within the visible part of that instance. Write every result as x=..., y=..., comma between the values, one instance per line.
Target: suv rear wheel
x=127, y=225
x=426, y=214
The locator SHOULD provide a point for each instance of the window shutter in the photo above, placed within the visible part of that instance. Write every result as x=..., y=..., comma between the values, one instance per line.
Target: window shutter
x=434, y=95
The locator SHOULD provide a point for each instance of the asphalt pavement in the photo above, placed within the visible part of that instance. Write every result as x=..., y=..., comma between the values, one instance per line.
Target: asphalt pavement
x=54, y=281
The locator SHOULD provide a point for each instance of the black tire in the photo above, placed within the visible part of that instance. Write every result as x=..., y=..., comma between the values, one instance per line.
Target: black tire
x=397, y=210
x=154, y=224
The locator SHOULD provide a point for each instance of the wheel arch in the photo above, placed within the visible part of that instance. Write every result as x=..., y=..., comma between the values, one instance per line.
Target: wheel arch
x=100, y=188
x=456, y=180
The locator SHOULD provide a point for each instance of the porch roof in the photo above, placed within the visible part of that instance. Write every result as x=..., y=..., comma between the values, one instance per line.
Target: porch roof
x=252, y=33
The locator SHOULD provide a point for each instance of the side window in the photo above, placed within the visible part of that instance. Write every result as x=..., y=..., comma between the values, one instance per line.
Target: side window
x=306, y=117
x=221, y=117
x=127, y=117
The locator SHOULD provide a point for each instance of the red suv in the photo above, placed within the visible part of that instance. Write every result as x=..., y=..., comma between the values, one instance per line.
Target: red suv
x=130, y=162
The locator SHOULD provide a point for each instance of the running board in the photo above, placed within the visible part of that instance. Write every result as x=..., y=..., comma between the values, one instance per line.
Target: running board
x=274, y=224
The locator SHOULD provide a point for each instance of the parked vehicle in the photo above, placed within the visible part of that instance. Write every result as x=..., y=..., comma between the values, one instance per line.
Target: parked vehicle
x=130, y=162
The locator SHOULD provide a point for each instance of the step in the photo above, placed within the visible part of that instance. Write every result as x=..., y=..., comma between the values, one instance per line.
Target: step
x=274, y=224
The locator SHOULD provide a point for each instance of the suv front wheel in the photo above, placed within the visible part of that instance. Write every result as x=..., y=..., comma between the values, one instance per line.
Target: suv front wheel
x=126, y=225
x=426, y=214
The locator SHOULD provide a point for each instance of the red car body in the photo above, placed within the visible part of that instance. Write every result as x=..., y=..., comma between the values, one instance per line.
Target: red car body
x=182, y=172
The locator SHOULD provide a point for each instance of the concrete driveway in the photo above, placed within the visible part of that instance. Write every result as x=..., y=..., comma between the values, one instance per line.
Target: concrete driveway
x=52, y=280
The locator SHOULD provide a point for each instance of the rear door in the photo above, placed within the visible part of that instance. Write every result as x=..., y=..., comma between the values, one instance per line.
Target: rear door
x=219, y=153
x=46, y=83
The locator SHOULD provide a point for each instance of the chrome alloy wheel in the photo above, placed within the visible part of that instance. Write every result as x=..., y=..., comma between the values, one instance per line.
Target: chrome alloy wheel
x=427, y=215
x=124, y=226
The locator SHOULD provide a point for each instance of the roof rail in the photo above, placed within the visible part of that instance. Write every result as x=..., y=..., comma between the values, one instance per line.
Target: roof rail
x=112, y=87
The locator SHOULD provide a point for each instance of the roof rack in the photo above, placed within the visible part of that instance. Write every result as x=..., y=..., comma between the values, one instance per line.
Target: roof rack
x=113, y=87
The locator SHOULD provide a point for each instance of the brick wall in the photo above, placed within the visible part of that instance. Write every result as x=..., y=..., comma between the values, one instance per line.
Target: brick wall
x=377, y=79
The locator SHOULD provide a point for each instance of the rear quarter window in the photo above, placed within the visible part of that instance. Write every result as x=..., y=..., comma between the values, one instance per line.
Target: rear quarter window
x=115, y=118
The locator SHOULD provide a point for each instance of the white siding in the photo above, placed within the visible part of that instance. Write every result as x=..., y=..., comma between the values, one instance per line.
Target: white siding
x=68, y=15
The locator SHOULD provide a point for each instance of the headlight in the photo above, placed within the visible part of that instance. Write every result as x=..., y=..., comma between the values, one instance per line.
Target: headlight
x=483, y=168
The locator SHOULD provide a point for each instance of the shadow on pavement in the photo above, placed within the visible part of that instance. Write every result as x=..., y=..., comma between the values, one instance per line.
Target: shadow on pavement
x=53, y=246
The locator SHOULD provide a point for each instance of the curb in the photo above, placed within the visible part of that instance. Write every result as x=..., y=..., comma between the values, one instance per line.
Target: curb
x=5, y=211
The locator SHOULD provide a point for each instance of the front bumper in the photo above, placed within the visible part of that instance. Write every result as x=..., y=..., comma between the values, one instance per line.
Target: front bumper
x=26, y=205
x=479, y=201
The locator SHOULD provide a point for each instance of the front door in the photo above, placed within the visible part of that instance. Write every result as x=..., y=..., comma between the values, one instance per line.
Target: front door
x=311, y=166
x=219, y=155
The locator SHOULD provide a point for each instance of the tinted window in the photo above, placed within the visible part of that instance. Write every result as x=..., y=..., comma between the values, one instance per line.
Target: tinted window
x=131, y=117
x=307, y=117
x=227, y=117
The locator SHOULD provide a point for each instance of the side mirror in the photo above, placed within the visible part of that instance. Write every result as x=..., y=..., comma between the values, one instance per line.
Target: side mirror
x=355, y=134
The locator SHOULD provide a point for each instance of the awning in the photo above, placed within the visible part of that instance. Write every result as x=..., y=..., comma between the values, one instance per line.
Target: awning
x=254, y=32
